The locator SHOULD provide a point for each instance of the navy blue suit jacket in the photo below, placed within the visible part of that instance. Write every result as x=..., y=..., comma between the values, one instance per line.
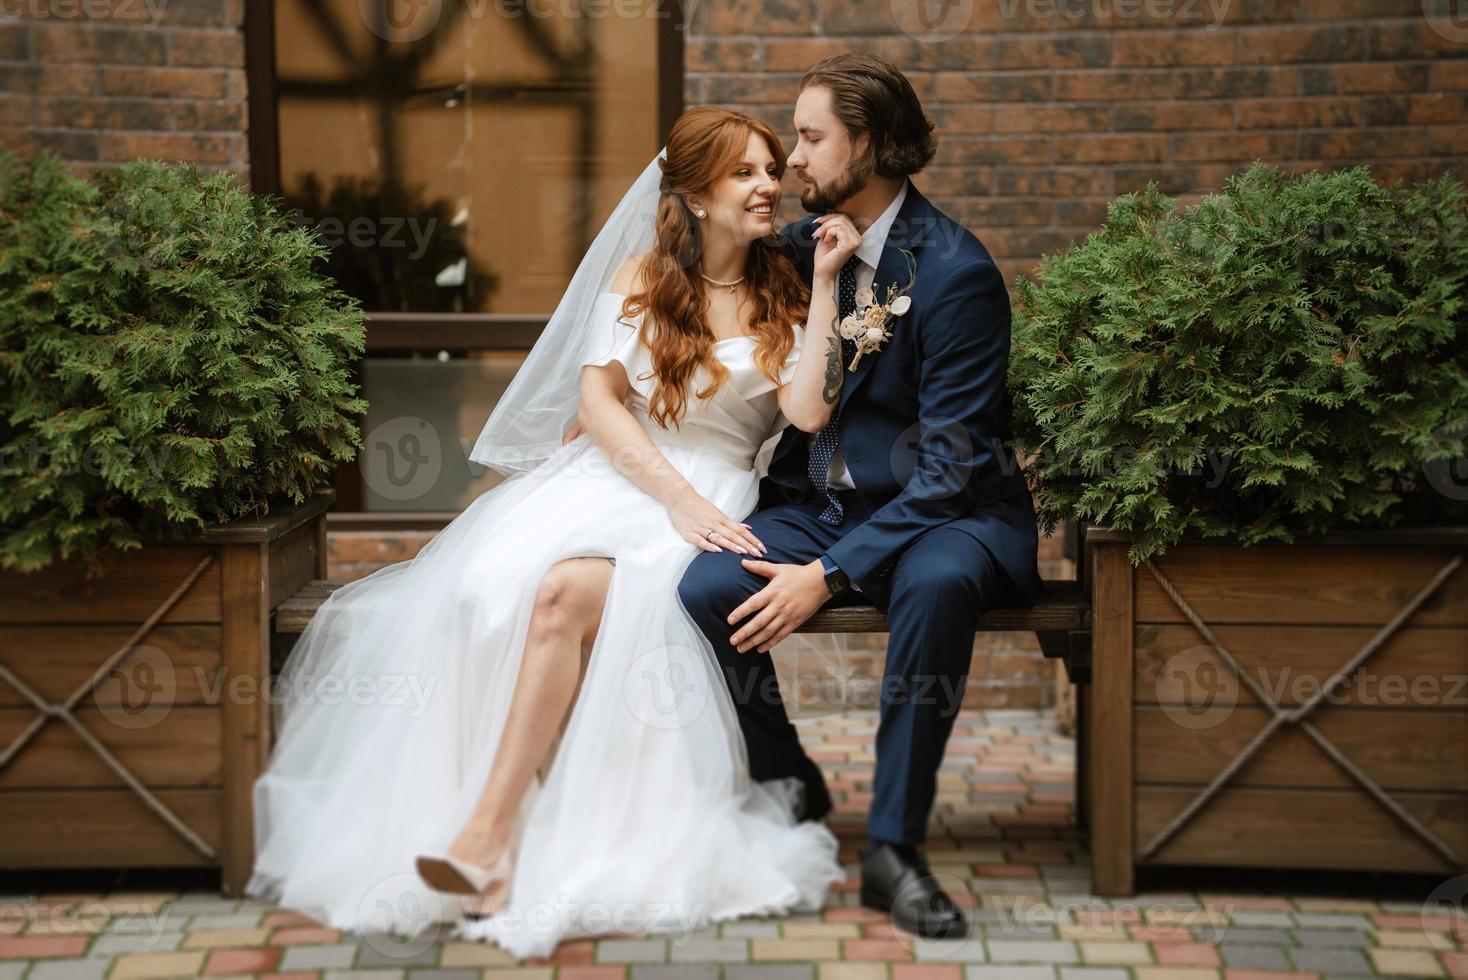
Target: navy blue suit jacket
x=924, y=420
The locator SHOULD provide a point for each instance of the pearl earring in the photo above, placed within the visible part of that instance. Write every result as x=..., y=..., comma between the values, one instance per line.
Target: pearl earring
x=699, y=212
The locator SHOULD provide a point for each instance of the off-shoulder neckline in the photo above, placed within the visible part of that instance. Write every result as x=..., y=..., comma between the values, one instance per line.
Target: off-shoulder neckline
x=723, y=341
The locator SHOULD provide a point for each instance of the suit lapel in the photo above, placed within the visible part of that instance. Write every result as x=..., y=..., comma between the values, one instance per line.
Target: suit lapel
x=909, y=230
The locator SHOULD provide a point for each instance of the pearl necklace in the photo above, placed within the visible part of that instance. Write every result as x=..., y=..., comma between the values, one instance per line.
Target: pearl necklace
x=719, y=282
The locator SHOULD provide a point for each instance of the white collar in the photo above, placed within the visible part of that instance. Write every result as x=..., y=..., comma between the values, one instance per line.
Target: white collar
x=875, y=237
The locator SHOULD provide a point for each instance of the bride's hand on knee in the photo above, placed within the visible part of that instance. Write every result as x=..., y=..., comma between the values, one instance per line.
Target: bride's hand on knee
x=702, y=524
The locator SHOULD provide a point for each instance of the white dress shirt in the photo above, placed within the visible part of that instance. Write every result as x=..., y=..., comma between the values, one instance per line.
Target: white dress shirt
x=870, y=253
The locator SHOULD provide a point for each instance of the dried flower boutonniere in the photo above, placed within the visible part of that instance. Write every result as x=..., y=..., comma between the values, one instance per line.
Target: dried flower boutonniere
x=870, y=325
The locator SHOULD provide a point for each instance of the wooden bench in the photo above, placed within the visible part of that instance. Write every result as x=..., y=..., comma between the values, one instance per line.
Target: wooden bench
x=1060, y=620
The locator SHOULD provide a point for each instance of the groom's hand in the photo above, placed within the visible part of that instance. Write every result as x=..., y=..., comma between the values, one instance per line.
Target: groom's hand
x=793, y=594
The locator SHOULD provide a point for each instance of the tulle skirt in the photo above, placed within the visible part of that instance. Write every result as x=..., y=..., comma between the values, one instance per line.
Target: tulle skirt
x=391, y=707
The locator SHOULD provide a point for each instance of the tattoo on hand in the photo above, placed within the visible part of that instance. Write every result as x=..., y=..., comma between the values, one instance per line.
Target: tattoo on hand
x=832, y=389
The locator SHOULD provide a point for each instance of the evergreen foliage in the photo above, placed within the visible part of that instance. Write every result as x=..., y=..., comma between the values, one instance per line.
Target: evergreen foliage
x=1286, y=356
x=171, y=357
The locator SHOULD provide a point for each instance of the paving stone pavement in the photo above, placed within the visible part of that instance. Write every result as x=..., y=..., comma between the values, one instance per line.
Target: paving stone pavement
x=1003, y=836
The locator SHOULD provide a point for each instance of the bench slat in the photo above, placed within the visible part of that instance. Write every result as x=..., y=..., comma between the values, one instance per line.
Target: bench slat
x=1064, y=608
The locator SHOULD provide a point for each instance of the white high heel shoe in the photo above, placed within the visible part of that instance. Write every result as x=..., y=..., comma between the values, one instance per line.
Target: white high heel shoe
x=446, y=874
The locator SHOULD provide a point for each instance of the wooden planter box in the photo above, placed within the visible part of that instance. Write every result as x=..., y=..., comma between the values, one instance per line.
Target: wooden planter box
x=163, y=666
x=1164, y=720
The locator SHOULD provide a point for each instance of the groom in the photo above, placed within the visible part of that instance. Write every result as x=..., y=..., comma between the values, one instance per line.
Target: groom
x=906, y=500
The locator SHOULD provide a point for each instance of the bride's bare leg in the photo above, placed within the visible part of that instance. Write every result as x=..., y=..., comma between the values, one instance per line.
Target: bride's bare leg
x=563, y=626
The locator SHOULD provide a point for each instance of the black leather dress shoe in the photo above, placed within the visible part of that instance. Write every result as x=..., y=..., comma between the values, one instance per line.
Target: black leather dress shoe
x=904, y=887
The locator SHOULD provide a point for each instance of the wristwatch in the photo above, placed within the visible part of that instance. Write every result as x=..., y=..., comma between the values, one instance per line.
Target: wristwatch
x=836, y=580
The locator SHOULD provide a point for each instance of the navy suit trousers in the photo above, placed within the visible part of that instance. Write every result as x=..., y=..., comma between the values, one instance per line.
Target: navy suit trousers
x=939, y=587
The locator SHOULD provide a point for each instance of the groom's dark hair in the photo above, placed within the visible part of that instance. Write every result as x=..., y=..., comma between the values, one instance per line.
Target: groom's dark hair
x=869, y=95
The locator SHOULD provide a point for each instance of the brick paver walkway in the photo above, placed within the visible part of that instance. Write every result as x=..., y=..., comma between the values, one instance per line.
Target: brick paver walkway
x=1002, y=837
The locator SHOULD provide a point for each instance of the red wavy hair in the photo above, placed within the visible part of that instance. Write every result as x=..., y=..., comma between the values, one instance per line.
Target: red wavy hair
x=704, y=145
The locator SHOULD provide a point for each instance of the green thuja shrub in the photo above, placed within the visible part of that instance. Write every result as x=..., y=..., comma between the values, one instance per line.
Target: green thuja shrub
x=1287, y=356
x=170, y=354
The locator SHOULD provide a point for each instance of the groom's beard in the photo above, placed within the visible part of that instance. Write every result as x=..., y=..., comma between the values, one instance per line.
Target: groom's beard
x=819, y=198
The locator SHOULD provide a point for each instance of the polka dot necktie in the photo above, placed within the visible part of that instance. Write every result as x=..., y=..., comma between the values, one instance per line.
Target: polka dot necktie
x=823, y=448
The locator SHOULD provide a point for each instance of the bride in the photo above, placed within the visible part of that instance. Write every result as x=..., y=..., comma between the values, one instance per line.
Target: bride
x=566, y=758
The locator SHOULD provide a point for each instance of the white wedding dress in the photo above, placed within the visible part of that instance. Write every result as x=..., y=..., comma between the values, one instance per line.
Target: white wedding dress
x=395, y=697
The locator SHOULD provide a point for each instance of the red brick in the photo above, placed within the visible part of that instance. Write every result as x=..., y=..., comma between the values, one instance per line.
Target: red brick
x=288, y=920
x=88, y=43
x=1244, y=147
x=304, y=937
x=226, y=961
x=1345, y=79
x=179, y=83
x=753, y=17
x=1186, y=954
x=206, y=48
x=887, y=950
x=1171, y=48
x=926, y=971
x=1114, y=148
x=1298, y=113
x=712, y=54
x=1153, y=116
x=41, y=947
x=1278, y=45
x=1360, y=144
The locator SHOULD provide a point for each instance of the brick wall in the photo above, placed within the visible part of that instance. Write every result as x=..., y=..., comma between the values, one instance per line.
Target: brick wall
x=123, y=82
x=1048, y=108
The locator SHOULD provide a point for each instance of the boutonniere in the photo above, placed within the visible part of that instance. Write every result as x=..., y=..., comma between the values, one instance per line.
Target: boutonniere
x=870, y=325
